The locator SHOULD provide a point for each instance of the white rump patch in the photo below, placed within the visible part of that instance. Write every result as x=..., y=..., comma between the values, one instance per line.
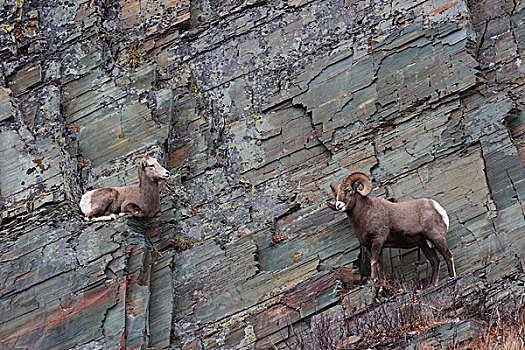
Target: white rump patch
x=441, y=211
x=85, y=203
x=104, y=218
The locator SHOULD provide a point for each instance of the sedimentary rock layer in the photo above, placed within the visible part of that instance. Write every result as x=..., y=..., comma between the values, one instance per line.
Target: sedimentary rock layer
x=255, y=107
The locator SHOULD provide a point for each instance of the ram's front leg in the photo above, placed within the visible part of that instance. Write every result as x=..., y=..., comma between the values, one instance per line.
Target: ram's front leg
x=375, y=261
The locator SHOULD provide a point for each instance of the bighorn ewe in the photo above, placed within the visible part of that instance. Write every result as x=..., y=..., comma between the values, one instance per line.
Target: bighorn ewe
x=379, y=223
x=141, y=199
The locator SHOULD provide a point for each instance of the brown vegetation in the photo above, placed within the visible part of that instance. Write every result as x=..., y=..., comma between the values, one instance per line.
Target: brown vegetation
x=407, y=321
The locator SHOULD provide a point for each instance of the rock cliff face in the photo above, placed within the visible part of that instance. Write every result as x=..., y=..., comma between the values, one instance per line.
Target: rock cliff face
x=255, y=106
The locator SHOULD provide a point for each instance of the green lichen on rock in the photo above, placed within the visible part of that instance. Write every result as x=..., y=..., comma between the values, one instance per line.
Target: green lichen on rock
x=255, y=107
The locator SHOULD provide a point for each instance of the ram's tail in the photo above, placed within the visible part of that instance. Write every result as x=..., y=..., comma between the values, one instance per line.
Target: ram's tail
x=442, y=212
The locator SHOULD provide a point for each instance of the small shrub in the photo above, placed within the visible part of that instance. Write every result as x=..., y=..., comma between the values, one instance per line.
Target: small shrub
x=134, y=57
x=326, y=333
x=181, y=244
x=502, y=326
x=407, y=315
x=410, y=312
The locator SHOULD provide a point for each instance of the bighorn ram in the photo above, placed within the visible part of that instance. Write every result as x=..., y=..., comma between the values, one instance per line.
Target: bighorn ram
x=141, y=199
x=379, y=223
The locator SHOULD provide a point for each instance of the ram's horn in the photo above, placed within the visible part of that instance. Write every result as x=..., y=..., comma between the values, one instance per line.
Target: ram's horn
x=361, y=178
x=331, y=206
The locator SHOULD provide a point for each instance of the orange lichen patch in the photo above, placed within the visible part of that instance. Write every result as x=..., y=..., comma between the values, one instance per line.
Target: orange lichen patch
x=443, y=8
x=372, y=44
x=296, y=257
x=74, y=127
x=121, y=136
x=81, y=163
x=39, y=163
x=276, y=239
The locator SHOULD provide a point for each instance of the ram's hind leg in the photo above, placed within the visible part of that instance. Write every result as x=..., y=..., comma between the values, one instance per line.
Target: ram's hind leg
x=442, y=248
x=433, y=258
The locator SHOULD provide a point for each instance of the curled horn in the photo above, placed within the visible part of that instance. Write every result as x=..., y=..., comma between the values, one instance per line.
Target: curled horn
x=361, y=178
x=138, y=156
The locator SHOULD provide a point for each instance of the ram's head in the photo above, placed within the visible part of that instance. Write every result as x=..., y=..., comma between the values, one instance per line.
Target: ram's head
x=344, y=192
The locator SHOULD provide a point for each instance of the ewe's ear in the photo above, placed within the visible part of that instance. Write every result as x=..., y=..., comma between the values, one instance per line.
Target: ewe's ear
x=334, y=186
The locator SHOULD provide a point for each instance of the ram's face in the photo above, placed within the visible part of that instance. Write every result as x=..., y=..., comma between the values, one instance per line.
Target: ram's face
x=153, y=169
x=344, y=196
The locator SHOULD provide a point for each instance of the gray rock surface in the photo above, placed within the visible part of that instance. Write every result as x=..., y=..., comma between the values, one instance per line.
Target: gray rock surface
x=255, y=107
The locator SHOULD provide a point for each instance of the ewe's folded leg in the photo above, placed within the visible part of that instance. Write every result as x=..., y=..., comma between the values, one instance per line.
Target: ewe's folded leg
x=103, y=218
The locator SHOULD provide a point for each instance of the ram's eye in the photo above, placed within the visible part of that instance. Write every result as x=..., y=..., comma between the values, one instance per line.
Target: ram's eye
x=151, y=165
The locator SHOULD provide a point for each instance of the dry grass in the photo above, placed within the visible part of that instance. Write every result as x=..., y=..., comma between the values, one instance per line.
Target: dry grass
x=410, y=313
x=511, y=338
x=502, y=327
x=325, y=333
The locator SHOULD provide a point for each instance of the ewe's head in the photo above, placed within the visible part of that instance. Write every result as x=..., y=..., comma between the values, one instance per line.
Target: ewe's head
x=345, y=192
x=152, y=169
